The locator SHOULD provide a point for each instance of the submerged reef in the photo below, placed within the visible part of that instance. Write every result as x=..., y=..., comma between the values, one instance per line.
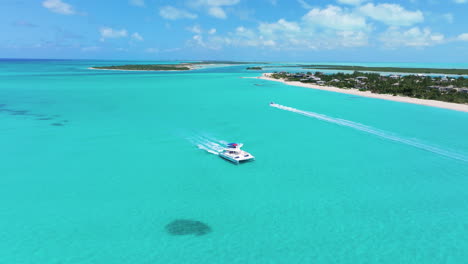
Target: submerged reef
x=183, y=227
x=19, y=112
x=27, y=113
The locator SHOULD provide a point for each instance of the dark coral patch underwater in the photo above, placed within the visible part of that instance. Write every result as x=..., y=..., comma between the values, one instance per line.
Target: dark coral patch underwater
x=40, y=117
x=19, y=112
x=183, y=227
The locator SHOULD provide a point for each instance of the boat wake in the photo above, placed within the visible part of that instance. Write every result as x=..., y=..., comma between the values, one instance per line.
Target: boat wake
x=376, y=132
x=208, y=144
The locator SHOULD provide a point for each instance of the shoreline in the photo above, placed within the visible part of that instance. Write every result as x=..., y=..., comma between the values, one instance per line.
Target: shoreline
x=191, y=67
x=389, y=97
x=92, y=68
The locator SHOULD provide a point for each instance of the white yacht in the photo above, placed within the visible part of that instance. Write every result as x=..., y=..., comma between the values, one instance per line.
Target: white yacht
x=234, y=154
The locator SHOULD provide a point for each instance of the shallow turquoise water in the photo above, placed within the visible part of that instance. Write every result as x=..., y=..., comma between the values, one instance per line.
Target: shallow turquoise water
x=122, y=161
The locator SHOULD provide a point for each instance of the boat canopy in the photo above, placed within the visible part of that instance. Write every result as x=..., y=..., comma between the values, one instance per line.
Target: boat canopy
x=233, y=145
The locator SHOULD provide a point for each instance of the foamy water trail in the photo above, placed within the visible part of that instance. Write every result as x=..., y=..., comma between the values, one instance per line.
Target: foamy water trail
x=208, y=144
x=376, y=132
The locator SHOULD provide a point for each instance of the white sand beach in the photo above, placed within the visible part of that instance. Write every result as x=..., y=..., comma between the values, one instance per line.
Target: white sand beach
x=433, y=103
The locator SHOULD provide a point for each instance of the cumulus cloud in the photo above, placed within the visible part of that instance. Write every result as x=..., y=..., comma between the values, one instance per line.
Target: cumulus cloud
x=217, y=12
x=460, y=1
x=215, y=8
x=332, y=27
x=195, y=29
x=172, y=13
x=137, y=36
x=304, y=4
x=392, y=14
x=413, y=37
x=327, y=28
x=463, y=37
x=281, y=26
x=107, y=32
x=335, y=17
x=59, y=7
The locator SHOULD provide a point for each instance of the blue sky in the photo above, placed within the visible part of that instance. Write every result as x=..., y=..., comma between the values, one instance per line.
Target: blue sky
x=267, y=30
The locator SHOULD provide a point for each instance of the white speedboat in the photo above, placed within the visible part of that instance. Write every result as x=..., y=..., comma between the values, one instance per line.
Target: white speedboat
x=234, y=154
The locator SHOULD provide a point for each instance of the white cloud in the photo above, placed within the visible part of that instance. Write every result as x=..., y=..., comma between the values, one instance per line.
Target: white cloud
x=413, y=37
x=334, y=17
x=304, y=4
x=289, y=35
x=214, y=8
x=140, y=3
x=195, y=29
x=352, y=38
x=57, y=6
x=172, y=13
x=107, y=32
x=241, y=37
x=278, y=28
x=448, y=17
x=463, y=37
x=352, y=2
x=217, y=12
x=460, y=1
x=215, y=43
x=392, y=14
x=198, y=30
x=331, y=27
x=248, y=38
x=199, y=40
x=137, y=36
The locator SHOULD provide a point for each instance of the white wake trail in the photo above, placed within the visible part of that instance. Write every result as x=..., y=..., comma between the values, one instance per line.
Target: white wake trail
x=208, y=144
x=376, y=132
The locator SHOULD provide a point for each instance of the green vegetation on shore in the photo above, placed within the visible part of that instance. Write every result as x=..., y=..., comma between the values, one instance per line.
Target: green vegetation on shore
x=146, y=67
x=453, y=90
x=381, y=69
x=226, y=62
x=185, y=66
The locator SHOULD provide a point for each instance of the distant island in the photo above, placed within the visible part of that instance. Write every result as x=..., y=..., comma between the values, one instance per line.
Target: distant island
x=254, y=68
x=185, y=66
x=145, y=67
x=380, y=69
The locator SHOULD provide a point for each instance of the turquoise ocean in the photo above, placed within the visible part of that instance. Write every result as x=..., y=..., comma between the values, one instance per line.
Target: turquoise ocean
x=95, y=164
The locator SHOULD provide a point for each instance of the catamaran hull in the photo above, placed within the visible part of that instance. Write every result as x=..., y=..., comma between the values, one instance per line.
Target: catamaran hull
x=235, y=161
